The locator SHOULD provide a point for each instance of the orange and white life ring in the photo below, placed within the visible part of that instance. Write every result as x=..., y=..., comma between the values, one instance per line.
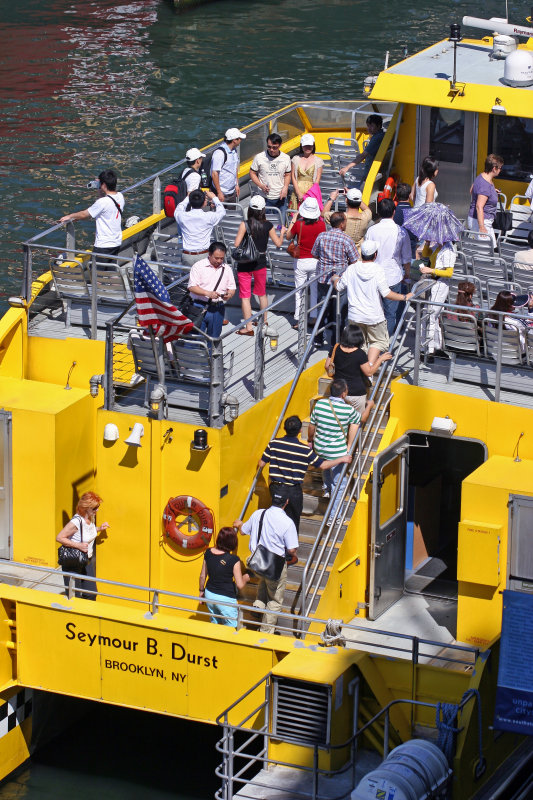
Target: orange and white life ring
x=188, y=507
x=389, y=190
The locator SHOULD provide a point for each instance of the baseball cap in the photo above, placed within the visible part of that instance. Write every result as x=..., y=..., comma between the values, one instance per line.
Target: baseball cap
x=307, y=138
x=354, y=195
x=279, y=495
x=368, y=247
x=309, y=208
x=193, y=154
x=234, y=133
x=257, y=202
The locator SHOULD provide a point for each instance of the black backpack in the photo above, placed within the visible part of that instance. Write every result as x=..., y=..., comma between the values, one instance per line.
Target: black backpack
x=206, y=166
x=175, y=192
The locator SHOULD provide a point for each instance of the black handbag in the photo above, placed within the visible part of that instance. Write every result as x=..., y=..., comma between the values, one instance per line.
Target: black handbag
x=503, y=220
x=264, y=562
x=71, y=558
x=246, y=252
x=183, y=301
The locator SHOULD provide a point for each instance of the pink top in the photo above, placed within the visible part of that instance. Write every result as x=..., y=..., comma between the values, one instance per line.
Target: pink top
x=205, y=276
x=314, y=191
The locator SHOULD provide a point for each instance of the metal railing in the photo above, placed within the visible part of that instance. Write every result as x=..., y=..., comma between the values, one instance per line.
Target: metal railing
x=119, y=362
x=64, y=235
x=234, y=778
x=156, y=600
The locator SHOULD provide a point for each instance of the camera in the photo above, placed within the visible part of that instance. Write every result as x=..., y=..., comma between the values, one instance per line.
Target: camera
x=93, y=184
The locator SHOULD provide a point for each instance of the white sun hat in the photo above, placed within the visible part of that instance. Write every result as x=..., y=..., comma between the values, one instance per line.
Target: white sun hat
x=309, y=208
x=193, y=154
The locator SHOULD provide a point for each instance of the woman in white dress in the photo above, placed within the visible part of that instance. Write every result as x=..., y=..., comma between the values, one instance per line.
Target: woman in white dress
x=424, y=189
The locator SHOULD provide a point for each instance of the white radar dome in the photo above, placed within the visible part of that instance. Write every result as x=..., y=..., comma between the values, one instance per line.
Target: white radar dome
x=518, y=69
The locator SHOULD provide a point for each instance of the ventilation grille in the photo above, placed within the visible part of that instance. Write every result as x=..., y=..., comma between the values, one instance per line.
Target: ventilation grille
x=301, y=711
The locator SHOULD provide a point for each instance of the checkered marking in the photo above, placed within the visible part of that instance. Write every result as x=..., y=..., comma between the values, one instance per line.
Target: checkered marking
x=14, y=711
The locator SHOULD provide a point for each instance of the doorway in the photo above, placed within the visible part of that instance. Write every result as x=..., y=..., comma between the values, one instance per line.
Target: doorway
x=450, y=136
x=416, y=509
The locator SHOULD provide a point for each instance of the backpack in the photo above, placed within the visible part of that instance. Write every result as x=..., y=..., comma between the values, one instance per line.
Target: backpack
x=206, y=167
x=175, y=192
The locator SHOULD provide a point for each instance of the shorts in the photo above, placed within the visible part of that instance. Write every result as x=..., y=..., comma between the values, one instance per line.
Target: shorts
x=245, y=283
x=357, y=401
x=375, y=335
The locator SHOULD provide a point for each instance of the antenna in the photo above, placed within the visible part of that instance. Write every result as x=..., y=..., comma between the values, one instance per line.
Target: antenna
x=507, y=10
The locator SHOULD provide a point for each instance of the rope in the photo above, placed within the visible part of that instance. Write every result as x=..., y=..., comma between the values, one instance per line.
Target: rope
x=445, y=718
x=332, y=634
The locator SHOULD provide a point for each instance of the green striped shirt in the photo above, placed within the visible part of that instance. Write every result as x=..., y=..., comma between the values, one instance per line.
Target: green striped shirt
x=330, y=436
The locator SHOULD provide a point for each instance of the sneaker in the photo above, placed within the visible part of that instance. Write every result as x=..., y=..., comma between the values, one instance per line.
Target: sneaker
x=325, y=494
x=441, y=354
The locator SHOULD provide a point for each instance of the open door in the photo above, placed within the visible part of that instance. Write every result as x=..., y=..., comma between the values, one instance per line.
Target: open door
x=389, y=521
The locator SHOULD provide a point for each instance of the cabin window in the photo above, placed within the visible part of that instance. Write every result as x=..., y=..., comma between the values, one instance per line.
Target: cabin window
x=447, y=135
x=511, y=138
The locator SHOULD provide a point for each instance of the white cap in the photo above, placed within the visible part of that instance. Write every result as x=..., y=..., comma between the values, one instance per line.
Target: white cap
x=369, y=247
x=234, y=133
x=307, y=138
x=258, y=202
x=193, y=154
x=309, y=208
x=354, y=195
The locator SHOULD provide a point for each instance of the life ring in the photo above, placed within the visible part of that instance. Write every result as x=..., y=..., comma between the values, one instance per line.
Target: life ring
x=389, y=190
x=190, y=506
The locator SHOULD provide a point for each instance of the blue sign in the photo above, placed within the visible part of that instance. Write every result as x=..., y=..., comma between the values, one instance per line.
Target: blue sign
x=514, y=695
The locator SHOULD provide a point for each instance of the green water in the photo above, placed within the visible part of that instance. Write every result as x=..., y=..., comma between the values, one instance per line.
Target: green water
x=131, y=84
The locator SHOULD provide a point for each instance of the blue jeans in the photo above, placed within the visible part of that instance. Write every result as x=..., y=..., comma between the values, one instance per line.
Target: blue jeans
x=279, y=203
x=213, y=320
x=390, y=307
x=331, y=478
x=229, y=614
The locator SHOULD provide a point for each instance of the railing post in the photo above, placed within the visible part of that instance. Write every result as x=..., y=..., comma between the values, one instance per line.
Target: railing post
x=315, y=772
x=156, y=195
x=303, y=312
x=216, y=388
x=109, y=391
x=416, y=365
x=70, y=240
x=28, y=271
x=155, y=603
x=230, y=764
x=71, y=587
x=94, y=299
x=259, y=361
x=355, y=723
x=497, y=382
x=386, y=734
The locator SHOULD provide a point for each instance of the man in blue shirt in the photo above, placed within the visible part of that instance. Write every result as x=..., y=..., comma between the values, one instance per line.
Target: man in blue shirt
x=374, y=126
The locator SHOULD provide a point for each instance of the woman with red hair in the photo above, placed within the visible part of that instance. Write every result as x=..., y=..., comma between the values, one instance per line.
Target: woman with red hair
x=80, y=534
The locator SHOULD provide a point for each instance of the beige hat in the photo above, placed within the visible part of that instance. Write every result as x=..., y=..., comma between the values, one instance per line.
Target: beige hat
x=309, y=208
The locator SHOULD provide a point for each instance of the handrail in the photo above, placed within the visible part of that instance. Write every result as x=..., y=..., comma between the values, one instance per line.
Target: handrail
x=292, y=388
x=225, y=746
x=154, y=595
x=381, y=385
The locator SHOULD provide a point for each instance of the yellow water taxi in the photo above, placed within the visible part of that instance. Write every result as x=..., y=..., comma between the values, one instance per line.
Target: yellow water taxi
x=387, y=660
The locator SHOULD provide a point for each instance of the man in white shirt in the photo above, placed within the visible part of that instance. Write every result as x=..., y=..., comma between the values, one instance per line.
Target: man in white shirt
x=394, y=255
x=211, y=283
x=279, y=536
x=107, y=213
x=271, y=172
x=225, y=166
x=196, y=224
x=367, y=287
x=191, y=173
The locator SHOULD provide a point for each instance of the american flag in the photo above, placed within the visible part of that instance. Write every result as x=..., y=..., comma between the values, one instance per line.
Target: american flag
x=154, y=308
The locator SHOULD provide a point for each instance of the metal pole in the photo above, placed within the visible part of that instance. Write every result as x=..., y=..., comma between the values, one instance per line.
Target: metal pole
x=497, y=386
x=315, y=772
x=94, y=299
x=259, y=361
x=416, y=367
x=230, y=765
x=156, y=196
x=70, y=240
x=109, y=393
x=386, y=734
x=28, y=271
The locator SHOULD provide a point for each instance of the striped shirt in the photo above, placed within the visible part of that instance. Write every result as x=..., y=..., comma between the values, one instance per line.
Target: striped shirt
x=330, y=437
x=289, y=459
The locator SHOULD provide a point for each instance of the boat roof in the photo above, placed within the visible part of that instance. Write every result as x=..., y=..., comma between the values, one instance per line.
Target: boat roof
x=425, y=79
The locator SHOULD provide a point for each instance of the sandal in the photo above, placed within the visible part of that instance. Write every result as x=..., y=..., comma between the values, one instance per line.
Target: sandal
x=244, y=332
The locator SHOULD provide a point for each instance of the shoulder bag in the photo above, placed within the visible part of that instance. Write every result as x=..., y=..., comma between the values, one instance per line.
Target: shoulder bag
x=293, y=248
x=71, y=558
x=183, y=301
x=331, y=369
x=264, y=562
x=503, y=220
x=247, y=251
x=336, y=417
